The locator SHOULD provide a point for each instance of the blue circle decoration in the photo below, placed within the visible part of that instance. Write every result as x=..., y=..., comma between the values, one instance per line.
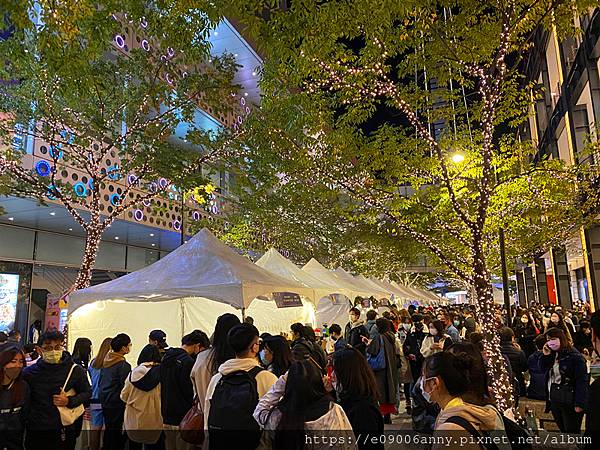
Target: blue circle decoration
x=113, y=172
x=51, y=191
x=55, y=151
x=115, y=199
x=91, y=184
x=67, y=136
x=80, y=189
x=43, y=168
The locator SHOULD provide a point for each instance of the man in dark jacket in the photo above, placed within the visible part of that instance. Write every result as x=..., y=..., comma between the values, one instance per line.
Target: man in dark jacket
x=356, y=334
x=176, y=389
x=112, y=379
x=46, y=379
x=516, y=356
x=412, y=346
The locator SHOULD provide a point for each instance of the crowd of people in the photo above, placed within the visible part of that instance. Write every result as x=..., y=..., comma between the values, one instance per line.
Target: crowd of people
x=239, y=389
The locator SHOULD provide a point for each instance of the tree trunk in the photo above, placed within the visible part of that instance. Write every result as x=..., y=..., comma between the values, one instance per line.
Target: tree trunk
x=92, y=244
x=499, y=379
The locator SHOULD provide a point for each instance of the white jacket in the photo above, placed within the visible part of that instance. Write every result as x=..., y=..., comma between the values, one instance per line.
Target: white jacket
x=426, y=349
x=334, y=420
x=143, y=418
x=201, y=374
x=264, y=380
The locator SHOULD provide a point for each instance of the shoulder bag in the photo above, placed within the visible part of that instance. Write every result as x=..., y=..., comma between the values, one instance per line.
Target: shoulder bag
x=191, y=428
x=68, y=416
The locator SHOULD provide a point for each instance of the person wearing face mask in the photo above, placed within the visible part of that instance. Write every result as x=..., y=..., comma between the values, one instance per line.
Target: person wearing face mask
x=582, y=339
x=525, y=333
x=356, y=333
x=436, y=341
x=449, y=318
x=113, y=374
x=46, y=379
x=557, y=321
x=412, y=350
x=276, y=355
x=14, y=398
x=177, y=391
x=446, y=381
x=567, y=381
x=405, y=377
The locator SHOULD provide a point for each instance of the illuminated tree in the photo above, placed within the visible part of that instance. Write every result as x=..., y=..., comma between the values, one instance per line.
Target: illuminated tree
x=407, y=111
x=76, y=79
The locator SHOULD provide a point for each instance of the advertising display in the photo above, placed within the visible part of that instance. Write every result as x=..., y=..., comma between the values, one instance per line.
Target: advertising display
x=9, y=289
x=286, y=299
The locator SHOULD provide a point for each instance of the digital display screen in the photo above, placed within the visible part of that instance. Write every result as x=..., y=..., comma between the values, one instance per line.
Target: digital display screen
x=9, y=290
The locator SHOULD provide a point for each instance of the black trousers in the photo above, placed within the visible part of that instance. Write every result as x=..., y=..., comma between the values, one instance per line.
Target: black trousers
x=566, y=418
x=114, y=436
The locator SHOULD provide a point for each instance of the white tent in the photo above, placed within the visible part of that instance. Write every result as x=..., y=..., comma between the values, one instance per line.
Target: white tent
x=379, y=292
x=276, y=263
x=387, y=287
x=187, y=289
x=360, y=289
x=335, y=308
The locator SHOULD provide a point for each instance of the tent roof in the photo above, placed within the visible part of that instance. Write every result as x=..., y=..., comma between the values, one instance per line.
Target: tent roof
x=374, y=287
x=316, y=269
x=204, y=267
x=360, y=288
x=387, y=287
x=275, y=262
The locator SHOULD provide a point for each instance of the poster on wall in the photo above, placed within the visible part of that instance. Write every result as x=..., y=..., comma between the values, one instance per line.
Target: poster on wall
x=9, y=290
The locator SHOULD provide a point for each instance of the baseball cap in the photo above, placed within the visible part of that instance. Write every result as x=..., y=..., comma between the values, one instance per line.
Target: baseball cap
x=160, y=336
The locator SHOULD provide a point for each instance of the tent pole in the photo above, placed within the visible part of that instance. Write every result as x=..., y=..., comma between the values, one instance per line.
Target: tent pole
x=243, y=314
x=182, y=316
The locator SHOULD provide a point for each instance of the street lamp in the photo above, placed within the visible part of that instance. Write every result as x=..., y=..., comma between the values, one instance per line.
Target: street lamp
x=457, y=158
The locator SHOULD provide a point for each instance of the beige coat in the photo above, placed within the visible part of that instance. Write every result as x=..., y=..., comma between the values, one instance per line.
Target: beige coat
x=483, y=418
x=143, y=418
x=201, y=375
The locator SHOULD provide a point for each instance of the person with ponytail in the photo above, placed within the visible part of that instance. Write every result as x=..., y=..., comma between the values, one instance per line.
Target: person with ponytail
x=304, y=409
x=14, y=398
x=447, y=380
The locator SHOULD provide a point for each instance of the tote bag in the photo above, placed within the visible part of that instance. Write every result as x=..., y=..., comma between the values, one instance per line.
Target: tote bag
x=68, y=416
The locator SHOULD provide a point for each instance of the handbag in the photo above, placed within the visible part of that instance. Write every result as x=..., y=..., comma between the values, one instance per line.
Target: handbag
x=377, y=362
x=191, y=428
x=68, y=416
x=562, y=394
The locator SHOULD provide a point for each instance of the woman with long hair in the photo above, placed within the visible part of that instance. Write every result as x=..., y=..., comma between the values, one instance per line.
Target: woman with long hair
x=276, y=355
x=567, y=381
x=557, y=321
x=525, y=333
x=82, y=352
x=304, y=407
x=208, y=361
x=97, y=419
x=14, y=398
x=357, y=394
x=387, y=378
x=437, y=340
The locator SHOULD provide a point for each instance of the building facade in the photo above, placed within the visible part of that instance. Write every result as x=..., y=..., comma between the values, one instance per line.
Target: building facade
x=563, y=123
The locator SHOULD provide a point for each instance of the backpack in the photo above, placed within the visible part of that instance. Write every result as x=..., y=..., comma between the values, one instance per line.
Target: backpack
x=230, y=421
x=517, y=435
x=377, y=362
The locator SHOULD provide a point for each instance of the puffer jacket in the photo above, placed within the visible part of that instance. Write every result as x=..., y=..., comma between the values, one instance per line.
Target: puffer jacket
x=485, y=419
x=573, y=372
x=141, y=395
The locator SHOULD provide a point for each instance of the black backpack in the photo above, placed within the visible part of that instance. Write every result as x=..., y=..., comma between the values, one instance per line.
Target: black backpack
x=230, y=421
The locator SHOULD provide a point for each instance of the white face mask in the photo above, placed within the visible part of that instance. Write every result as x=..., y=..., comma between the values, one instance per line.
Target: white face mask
x=433, y=331
x=524, y=319
x=426, y=395
x=406, y=326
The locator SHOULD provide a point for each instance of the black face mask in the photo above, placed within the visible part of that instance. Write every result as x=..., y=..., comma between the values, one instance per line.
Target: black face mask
x=419, y=325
